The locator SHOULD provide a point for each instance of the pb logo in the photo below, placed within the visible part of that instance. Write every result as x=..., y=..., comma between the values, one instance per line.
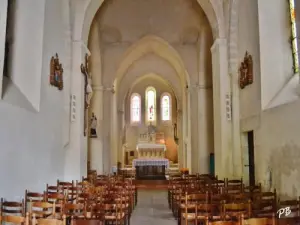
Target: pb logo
x=284, y=211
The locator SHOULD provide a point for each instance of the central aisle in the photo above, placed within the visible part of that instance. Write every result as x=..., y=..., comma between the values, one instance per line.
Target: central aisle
x=152, y=209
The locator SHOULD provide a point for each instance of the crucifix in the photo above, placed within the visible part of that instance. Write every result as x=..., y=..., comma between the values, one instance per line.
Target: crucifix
x=88, y=91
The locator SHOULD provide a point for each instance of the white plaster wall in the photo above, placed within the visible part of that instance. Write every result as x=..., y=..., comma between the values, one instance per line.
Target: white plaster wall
x=276, y=130
x=248, y=41
x=32, y=143
x=27, y=28
x=278, y=147
x=276, y=67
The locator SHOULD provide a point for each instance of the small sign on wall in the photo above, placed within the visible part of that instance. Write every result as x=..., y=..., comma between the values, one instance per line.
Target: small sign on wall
x=228, y=107
x=73, y=108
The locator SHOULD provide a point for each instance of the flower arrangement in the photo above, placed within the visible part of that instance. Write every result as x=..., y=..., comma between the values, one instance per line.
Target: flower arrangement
x=184, y=171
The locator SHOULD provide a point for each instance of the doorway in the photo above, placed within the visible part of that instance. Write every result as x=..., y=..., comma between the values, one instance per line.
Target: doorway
x=248, y=156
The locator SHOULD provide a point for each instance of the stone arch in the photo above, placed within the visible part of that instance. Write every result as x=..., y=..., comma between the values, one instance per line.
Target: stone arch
x=128, y=90
x=158, y=46
x=212, y=8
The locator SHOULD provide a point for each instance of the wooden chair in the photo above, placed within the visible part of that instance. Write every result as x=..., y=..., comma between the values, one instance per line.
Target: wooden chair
x=42, y=209
x=12, y=208
x=294, y=215
x=48, y=221
x=13, y=219
x=58, y=199
x=33, y=197
x=259, y=221
x=75, y=211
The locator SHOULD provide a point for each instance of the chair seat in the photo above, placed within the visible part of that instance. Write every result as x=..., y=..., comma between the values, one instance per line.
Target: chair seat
x=115, y=216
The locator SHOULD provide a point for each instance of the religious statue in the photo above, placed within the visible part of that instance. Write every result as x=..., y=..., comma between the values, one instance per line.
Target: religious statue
x=246, y=71
x=88, y=91
x=151, y=132
x=56, y=73
x=93, y=126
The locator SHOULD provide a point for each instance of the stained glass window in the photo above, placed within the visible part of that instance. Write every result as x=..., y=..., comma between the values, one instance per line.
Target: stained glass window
x=294, y=36
x=135, y=108
x=166, y=107
x=150, y=104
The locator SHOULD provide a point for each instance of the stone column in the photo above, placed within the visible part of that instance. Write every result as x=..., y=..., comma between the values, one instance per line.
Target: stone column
x=180, y=137
x=204, y=91
x=96, y=144
x=188, y=133
x=222, y=127
x=120, y=139
x=204, y=122
x=114, y=130
x=76, y=154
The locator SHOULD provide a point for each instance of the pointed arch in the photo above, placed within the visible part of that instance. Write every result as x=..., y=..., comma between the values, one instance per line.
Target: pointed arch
x=158, y=46
x=166, y=107
x=135, y=108
x=150, y=108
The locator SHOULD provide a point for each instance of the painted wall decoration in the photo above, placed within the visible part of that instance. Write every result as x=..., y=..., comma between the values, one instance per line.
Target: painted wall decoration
x=246, y=71
x=56, y=73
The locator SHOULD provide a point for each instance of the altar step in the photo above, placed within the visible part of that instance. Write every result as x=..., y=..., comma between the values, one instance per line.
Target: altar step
x=151, y=184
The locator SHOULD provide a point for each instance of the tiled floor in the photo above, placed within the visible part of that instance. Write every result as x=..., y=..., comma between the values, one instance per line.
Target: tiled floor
x=152, y=209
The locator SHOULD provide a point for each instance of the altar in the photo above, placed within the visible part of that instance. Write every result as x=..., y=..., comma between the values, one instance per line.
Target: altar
x=151, y=150
x=150, y=168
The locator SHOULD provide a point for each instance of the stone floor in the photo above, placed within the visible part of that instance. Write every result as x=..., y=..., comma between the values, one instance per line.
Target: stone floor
x=152, y=209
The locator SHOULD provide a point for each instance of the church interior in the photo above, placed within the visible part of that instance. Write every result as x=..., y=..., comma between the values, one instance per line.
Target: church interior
x=149, y=112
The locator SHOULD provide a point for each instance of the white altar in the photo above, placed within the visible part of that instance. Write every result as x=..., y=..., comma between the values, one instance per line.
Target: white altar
x=151, y=150
x=150, y=162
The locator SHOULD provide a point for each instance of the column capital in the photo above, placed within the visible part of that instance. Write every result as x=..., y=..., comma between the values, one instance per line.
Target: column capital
x=218, y=42
x=83, y=45
x=102, y=88
x=201, y=86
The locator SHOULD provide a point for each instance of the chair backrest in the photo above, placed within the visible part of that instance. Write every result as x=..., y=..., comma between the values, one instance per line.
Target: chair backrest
x=47, y=221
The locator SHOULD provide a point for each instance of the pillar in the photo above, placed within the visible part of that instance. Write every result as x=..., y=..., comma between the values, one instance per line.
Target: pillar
x=204, y=96
x=121, y=135
x=76, y=154
x=222, y=126
x=188, y=140
x=114, y=129
x=181, y=138
x=96, y=144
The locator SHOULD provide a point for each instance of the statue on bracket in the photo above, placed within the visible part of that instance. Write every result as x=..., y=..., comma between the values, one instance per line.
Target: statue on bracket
x=88, y=91
x=246, y=71
x=93, y=126
x=56, y=73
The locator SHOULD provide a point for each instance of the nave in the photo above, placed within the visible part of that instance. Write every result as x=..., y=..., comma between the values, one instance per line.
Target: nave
x=119, y=200
x=152, y=209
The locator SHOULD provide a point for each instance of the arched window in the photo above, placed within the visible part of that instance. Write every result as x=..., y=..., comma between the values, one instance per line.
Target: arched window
x=150, y=104
x=166, y=107
x=294, y=36
x=135, y=108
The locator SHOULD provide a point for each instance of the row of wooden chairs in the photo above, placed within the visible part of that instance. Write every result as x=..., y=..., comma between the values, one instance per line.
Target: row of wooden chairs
x=193, y=198
x=103, y=198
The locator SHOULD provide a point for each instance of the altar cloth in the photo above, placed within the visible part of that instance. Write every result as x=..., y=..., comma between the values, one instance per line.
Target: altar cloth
x=150, y=162
x=149, y=146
